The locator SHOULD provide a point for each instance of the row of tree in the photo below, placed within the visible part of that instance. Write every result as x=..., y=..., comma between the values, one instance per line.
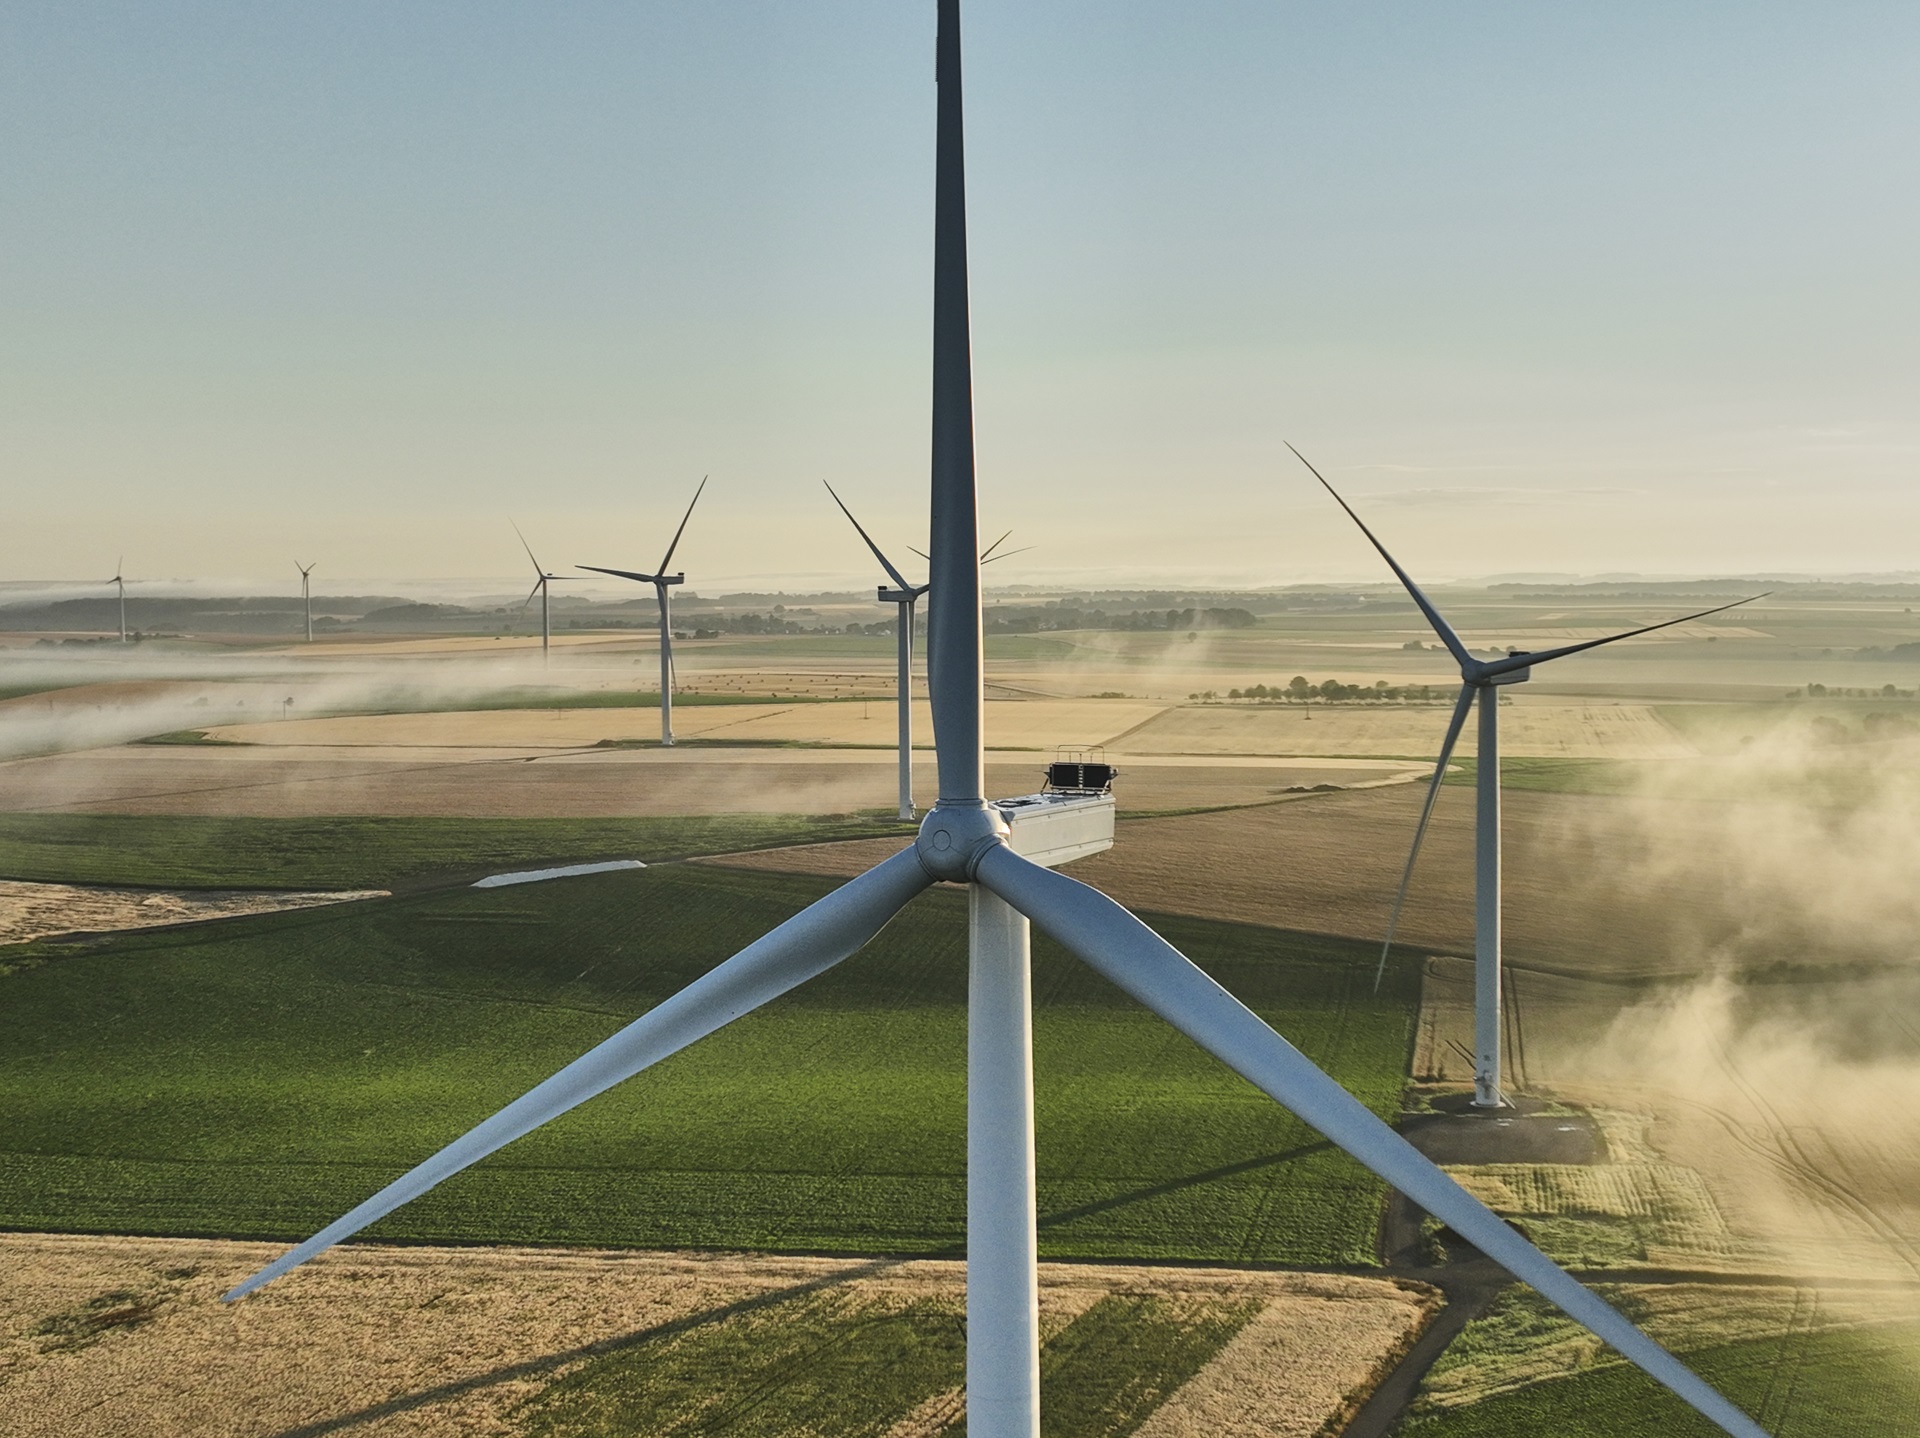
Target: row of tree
x=1045, y=618
x=1302, y=690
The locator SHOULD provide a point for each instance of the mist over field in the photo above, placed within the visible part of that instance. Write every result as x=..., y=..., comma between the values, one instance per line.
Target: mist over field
x=1790, y=1062
x=86, y=704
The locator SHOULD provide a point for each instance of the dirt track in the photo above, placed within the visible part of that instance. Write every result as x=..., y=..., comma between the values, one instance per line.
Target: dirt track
x=35, y=911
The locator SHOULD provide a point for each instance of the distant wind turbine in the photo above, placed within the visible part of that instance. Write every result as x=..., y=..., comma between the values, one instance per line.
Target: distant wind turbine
x=120, y=583
x=541, y=581
x=306, y=593
x=1000, y=851
x=904, y=595
x=988, y=555
x=1481, y=679
x=662, y=582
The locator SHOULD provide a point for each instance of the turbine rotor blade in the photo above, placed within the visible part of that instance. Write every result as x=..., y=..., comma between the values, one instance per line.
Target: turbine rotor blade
x=683, y=524
x=621, y=573
x=1440, y=626
x=1525, y=661
x=987, y=553
x=956, y=678
x=538, y=584
x=1420, y=832
x=809, y=943
x=899, y=579
x=1122, y=949
x=1006, y=553
x=528, y=547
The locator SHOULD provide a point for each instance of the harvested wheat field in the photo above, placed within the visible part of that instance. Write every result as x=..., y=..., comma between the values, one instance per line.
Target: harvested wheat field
x=1570, y=730
x=126, y=1336
x=38, y=911
x=1011, y=724
x=262, y=781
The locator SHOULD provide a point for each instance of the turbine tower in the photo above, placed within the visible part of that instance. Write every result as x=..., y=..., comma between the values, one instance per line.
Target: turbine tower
x=119, y=582
x=904, y=596
x=541, y=580
x=661, y=582
x=992, y=849
x=306, y=593
x=1480, y=680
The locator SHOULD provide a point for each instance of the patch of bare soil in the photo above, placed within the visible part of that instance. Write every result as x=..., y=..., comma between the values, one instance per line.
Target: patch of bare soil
x=1330, y=864
x=37, y=911
x=103, y=1337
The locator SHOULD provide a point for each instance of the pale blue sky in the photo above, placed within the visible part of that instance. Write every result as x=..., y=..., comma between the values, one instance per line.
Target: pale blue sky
x=1620, y=287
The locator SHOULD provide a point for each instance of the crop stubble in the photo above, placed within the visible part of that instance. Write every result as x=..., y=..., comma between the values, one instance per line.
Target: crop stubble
x=419, y=1340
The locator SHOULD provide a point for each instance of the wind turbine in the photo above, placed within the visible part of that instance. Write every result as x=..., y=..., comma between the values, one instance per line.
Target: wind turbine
x=541, y=581
x=991, y=554
x=966, y=840
x=119, y=582
x=306, y=593
x=904, y=596
x=1480, y=679
x=661, y=582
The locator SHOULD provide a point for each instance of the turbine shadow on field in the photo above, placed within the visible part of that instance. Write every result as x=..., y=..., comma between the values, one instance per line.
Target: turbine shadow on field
x=552, y=1362
x=1176, y=1185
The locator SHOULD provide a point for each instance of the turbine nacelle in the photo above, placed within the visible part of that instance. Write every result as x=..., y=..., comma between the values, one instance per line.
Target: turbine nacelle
x=1495, y=674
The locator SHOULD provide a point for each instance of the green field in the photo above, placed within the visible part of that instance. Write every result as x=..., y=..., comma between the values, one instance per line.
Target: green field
x=260, y=1076
x=168, y=851
x=1838, y=1384
x=1803, y=1364
x=1562, y=776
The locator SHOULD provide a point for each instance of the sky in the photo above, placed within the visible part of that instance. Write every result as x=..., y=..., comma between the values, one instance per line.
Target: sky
x=1545, y=288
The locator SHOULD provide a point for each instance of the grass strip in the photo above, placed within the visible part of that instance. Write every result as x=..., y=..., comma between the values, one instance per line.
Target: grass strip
x=1557, y=776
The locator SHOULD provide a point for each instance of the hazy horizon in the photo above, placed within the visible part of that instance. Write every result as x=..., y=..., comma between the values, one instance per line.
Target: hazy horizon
x=1544, y=291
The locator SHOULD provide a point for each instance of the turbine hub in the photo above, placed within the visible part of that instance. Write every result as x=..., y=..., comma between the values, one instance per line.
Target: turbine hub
x=953, y=837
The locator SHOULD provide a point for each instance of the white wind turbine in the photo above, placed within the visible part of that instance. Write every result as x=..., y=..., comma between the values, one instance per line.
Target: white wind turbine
x=1480, y=679
x=662, y=592
x=967, y=840
x=541, y=580
x=119, y=582
x=306, y=592
x=904, y=596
